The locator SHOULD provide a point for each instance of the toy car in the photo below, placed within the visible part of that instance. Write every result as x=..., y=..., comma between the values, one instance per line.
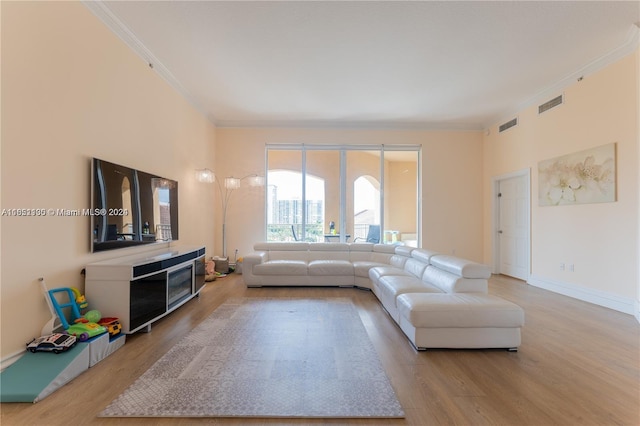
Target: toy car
x=55, y=343
x=85, y=330
x=113, y=325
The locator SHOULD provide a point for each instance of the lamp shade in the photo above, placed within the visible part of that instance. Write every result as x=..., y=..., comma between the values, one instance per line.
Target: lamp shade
x=256, y=180
x=205, y=176
x=231, y=183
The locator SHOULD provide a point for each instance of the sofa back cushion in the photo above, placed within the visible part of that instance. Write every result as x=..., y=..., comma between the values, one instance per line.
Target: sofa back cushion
x=328, y=251
x=284, y=250
x=462, y=267
x=382, y=253
x=423, y=255
x=361, y=252
x=415, y=267
x=453, y=283
x=403, y=250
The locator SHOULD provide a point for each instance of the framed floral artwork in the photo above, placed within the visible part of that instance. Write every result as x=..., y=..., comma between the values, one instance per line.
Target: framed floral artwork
x=580, y=178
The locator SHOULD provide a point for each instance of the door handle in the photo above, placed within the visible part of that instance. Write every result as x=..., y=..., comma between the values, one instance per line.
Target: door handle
x=500, y=231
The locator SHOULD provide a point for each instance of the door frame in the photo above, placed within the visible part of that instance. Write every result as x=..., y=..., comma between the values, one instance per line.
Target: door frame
x=495, y=240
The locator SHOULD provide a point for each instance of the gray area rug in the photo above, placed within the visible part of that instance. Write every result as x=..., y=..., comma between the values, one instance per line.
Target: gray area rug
x=267, y=357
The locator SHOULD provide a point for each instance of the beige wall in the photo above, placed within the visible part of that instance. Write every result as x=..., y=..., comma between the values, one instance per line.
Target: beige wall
x=72, y=90
x=451, y=166
x=601, y=240
x=401, y=197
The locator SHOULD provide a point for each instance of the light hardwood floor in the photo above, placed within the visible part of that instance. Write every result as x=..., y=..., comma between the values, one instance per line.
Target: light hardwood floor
x=578, y=365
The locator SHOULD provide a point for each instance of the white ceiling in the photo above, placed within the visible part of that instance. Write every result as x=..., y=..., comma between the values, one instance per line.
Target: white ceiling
x=419, y=64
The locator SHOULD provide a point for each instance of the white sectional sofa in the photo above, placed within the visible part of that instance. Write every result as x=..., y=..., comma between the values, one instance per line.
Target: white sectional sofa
x=439, y=301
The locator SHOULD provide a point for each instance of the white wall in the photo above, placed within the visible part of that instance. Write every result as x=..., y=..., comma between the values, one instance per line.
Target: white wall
x=72, y=90
x=600, y=240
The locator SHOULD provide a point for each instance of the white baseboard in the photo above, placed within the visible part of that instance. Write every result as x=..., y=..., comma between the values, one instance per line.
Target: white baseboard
x=597, y=297
x=10, y=359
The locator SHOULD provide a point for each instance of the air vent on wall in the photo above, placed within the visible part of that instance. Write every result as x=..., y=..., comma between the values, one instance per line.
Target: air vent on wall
x=508, y=125
x=558, y=100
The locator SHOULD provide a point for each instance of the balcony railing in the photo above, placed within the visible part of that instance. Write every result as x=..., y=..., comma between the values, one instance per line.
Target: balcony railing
x=283, y=232
x=315, y=232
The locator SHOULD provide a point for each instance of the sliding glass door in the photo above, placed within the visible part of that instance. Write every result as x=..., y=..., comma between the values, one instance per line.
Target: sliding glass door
x=364, y=195
x=284, y=192
x=343, y=194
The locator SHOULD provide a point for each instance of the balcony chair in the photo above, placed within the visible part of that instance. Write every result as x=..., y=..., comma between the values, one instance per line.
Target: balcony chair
x=373, y=235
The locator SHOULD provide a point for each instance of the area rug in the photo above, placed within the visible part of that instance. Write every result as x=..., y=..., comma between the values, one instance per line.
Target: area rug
x=267, y=357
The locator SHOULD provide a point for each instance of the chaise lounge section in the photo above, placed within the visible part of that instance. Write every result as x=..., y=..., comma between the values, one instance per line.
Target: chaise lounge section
x=439, y=301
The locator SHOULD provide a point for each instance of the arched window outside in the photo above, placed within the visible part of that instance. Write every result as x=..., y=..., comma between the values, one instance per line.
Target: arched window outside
x=366, y=206
x=343, y=193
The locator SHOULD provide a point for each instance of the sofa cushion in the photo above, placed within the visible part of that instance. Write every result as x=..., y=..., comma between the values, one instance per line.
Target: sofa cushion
x=403, y=250
x=379, y=271
x=284, y=250
x=329, y=251
x=281, y=267
x=452, y=283
x=330, y=267
x=361, y=267
x=465, y=310
x=464, y=268
x=395, y=285
x=415, y=267
x=366, y=247
x=361, y=252
x=423, y=255
x=384, y=248
x=281, y=246
x=330, y=247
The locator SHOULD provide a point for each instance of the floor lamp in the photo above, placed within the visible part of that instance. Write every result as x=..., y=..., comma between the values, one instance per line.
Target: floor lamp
x=230, y=184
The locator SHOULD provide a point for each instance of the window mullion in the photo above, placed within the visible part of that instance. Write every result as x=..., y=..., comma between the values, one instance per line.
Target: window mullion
x=343, y=195
x=303, y=233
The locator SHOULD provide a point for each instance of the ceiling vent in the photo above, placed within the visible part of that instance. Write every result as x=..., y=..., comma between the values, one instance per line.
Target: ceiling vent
x=558, y=100
x=508, y=125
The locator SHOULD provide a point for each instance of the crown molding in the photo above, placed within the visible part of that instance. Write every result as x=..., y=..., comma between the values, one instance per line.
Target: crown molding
x=349, y=125
x=630, y=45
x=102, y=12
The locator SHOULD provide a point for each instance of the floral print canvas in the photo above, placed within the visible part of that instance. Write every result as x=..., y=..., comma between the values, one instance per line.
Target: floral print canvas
x=579, y=178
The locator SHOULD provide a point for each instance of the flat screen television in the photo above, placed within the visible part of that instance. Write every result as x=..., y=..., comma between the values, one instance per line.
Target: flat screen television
x=130, y=207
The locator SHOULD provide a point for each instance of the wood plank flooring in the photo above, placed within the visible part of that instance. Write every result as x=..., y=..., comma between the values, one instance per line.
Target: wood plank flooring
x=579, y=364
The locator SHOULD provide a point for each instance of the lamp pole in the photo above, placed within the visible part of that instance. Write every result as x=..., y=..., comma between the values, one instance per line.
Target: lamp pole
x=230, y=184
x=229, y=187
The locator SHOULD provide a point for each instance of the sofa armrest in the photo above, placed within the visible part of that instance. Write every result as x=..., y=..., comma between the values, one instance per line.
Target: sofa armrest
x=255, y=258
x=249, y=261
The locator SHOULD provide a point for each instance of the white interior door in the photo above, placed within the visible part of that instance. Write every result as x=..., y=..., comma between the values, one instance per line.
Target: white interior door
x=513, y=226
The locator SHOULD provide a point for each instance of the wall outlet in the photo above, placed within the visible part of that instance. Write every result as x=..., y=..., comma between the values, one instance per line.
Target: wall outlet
x=562, y=266
x=571, y=268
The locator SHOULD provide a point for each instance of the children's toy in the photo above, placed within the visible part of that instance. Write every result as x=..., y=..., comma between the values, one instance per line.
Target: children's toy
x=51, y=324
x=82, y=328
x=56, y=343
x=93, y=316
x=80, y=299
x=113, y=325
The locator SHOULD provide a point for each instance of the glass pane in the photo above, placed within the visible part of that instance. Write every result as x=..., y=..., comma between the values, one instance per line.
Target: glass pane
x=378, y=203
x=323, y=195
x=284, y=195
x=363, y=195
x=401, y=190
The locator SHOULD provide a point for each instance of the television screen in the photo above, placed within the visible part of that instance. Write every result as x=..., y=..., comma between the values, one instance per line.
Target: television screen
x=131, y=207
